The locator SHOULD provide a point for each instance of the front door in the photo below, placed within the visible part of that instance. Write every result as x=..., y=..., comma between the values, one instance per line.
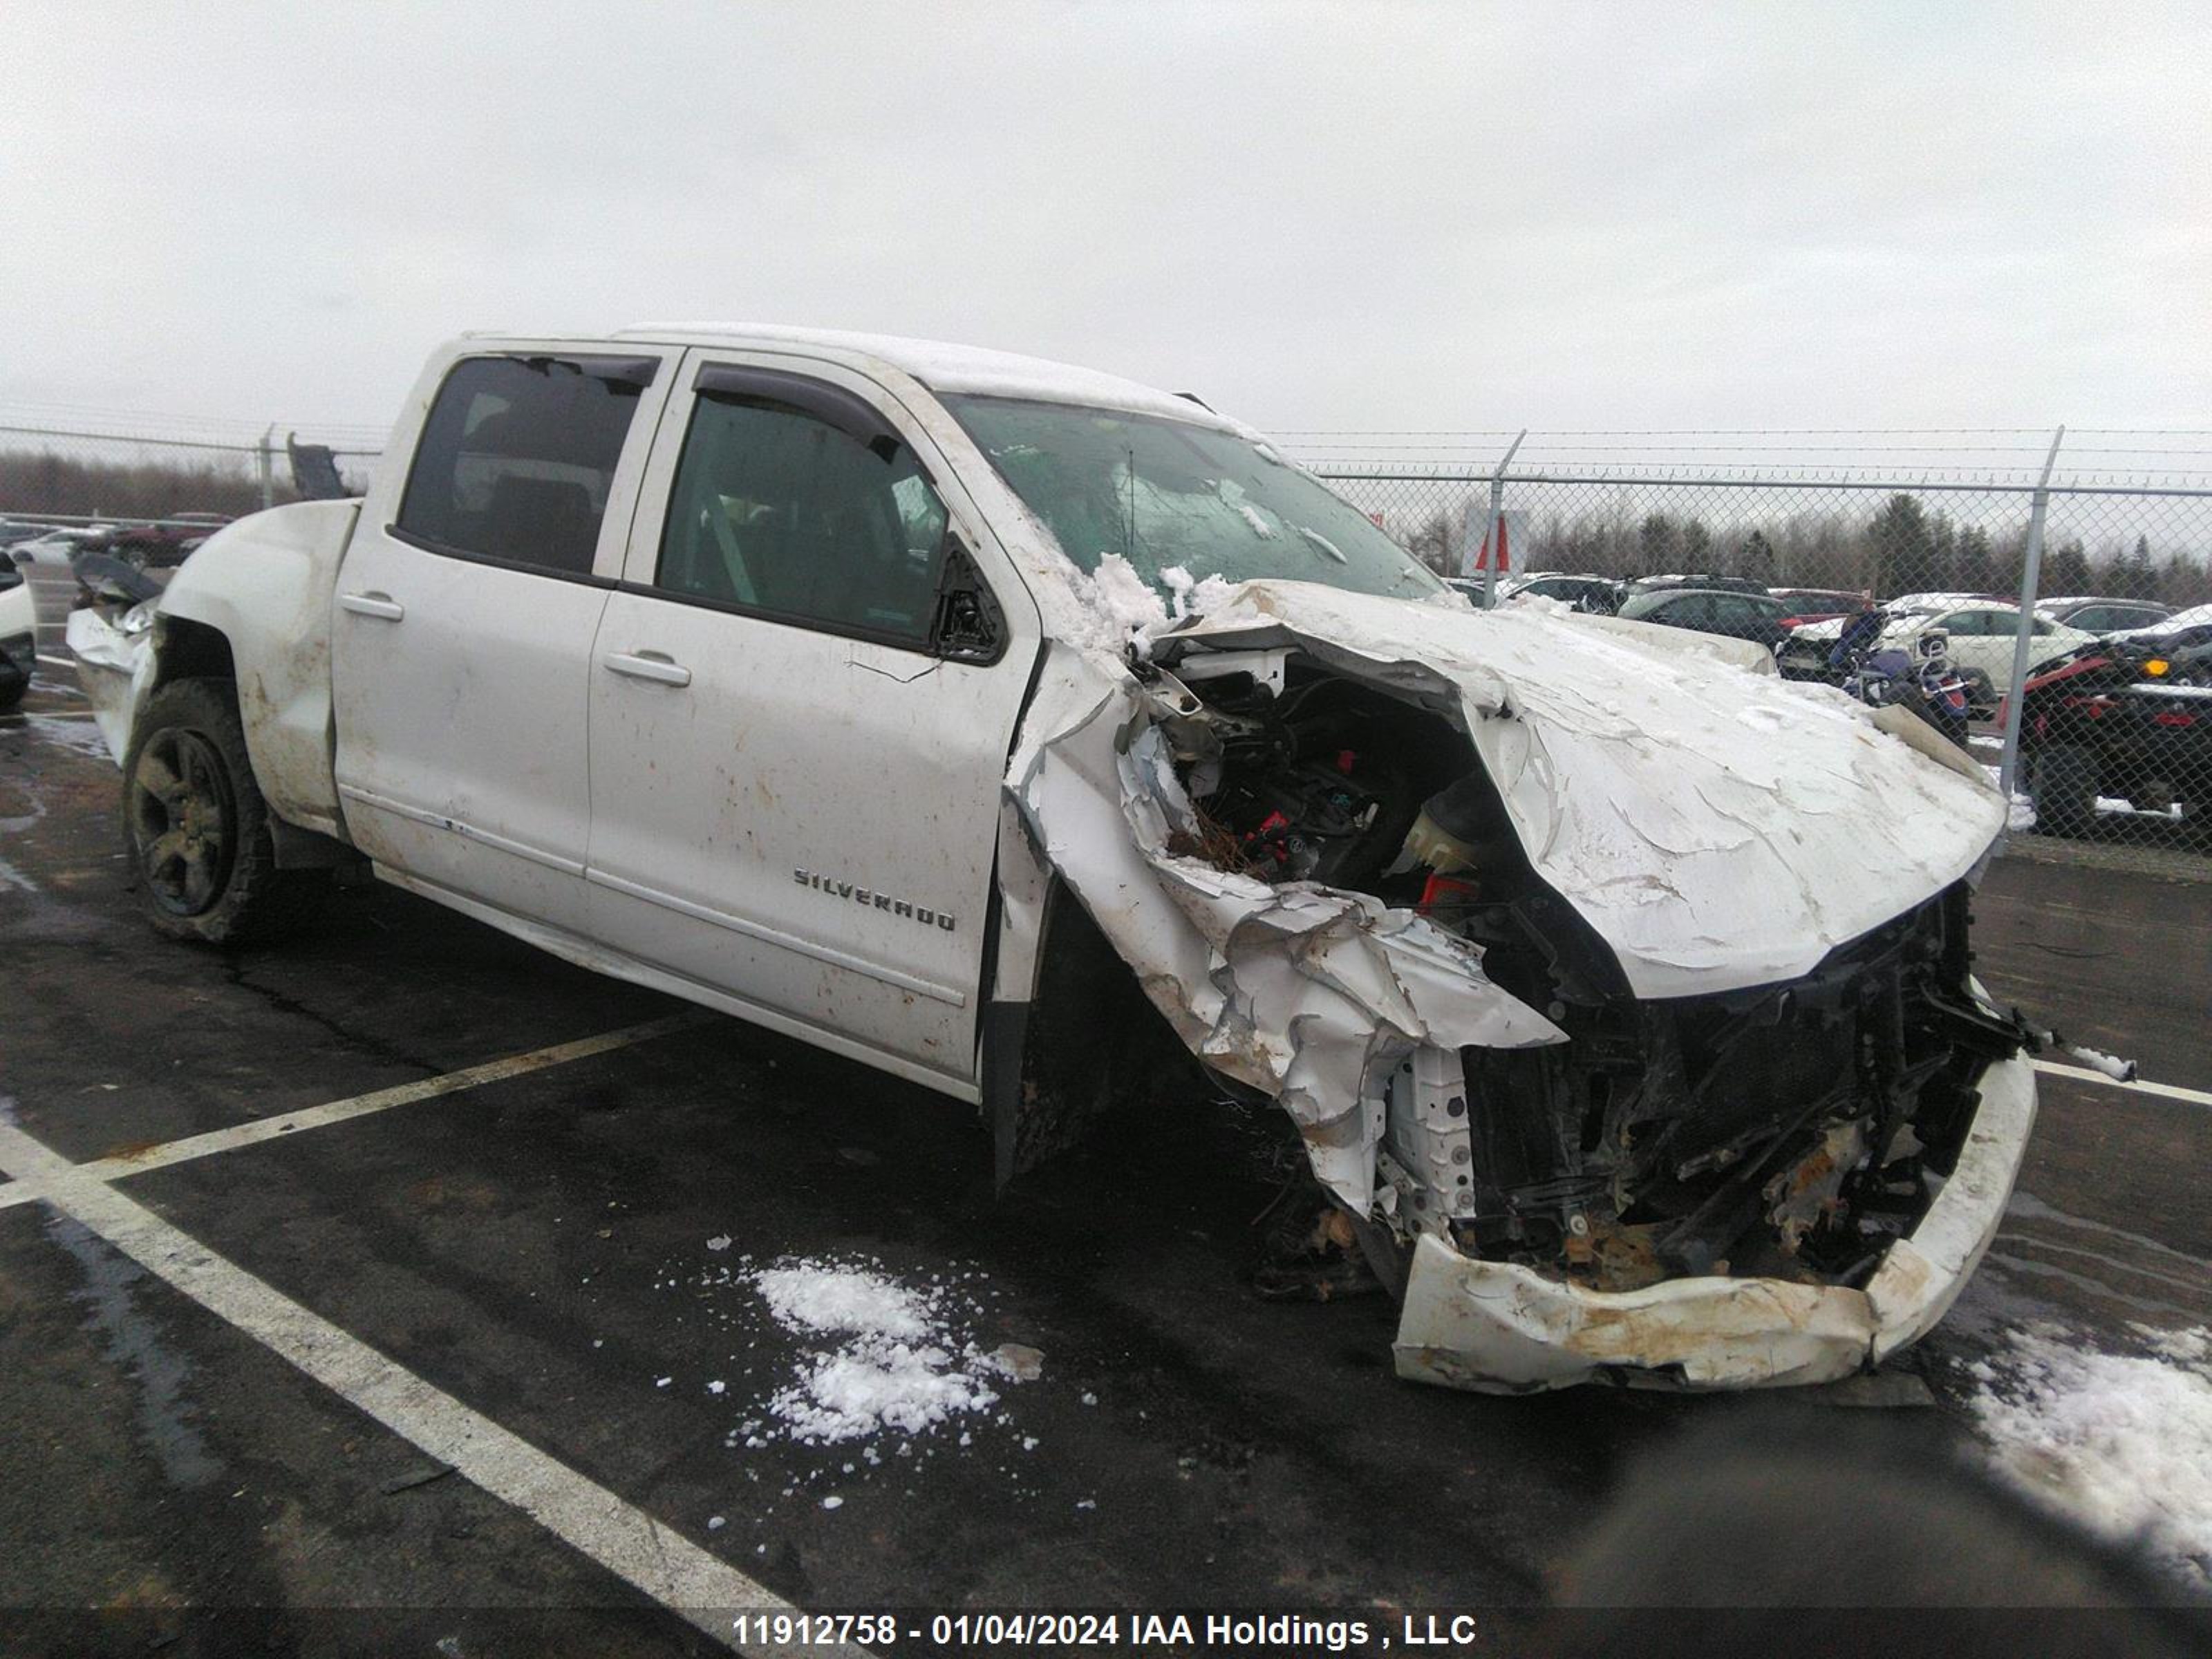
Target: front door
x=795, y=778
x=464, y=618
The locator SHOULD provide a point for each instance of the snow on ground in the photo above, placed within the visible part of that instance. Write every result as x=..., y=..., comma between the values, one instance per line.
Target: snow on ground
x=885, y=1355
x=2121, y=1441
x=871, y=1355
x=2120, y=1071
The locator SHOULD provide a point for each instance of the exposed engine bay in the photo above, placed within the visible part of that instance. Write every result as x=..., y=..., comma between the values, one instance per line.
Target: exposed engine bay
x=1788, y=1131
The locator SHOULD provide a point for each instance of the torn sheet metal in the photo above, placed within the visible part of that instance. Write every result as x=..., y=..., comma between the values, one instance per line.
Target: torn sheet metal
x=114, y=661
x=1497, y=1327
x=1717, y=828
x=1312, y=994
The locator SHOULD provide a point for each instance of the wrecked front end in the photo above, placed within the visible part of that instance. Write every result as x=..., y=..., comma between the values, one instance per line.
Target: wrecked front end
x=1620, y=996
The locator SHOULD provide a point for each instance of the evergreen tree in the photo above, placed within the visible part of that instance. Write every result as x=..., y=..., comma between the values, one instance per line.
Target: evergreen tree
x=1899, y=542
x=2065, y=569
x=1656, y=543
x=1976, y=563
x=2135, y=578
x=1756, y=559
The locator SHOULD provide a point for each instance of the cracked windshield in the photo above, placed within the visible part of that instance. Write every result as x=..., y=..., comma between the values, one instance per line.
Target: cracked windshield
x=1171, y=495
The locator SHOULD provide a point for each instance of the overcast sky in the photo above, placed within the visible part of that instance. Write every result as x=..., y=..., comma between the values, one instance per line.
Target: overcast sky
x=1356, y=216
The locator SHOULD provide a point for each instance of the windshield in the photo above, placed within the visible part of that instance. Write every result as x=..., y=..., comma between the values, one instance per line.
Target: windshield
x=1165, y=494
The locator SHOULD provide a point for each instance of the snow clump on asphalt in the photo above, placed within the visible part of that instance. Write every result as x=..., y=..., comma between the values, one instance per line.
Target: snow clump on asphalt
x=2121, y=1442
x=893, y=1360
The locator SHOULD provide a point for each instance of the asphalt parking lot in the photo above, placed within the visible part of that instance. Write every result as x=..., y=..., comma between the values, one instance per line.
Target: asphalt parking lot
x=450, y=1350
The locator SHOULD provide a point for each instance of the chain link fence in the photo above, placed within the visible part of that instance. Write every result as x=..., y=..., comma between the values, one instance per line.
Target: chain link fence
x=1786, y=537
x=96, y=471
x=2110, y=748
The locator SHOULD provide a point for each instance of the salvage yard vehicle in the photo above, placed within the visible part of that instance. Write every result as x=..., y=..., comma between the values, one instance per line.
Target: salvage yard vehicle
x=1980, y=634
x=19, y=647
x=1753, y=616
x=975, y=717
x=2128, y=719
x=1597, y=595
x=2101, y=617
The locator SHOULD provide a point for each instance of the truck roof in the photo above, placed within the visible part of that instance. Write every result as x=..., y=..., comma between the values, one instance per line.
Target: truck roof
x=943, y=366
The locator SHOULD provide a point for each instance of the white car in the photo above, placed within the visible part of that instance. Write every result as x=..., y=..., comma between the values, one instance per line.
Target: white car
x=1009, y=727
x=56, y=546
x=19, y=633
x=1981, y=634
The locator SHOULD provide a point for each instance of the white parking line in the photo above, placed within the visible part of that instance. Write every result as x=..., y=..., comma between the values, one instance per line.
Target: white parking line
x=2083, y=1074
x=58, y=662
x=161, y=1156
x=689, y=1581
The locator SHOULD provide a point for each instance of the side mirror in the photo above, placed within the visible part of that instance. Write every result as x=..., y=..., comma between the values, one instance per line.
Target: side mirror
x=968, y=625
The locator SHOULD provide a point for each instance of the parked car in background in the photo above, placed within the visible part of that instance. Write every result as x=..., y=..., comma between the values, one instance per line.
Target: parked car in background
x=2188, y=624
x=1812, y=605
x=165, y=542
x=2124, y=719
x=19, y=648
x=1981, y=634
x=1704, y=584
x=2095, y=615
x=1757, y=616
x=1596, y=596
x=58, y=546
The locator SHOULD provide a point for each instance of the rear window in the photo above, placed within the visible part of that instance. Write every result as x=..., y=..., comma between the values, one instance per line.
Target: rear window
x=516, y=460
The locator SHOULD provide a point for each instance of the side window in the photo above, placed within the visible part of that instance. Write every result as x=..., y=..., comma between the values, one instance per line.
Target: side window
x=1695, y=611
x=517, y=456
x=2040, y=625
x=790, y=511
x=1964, y=624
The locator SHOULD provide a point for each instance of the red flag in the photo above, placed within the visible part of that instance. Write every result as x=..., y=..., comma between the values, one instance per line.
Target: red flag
x=1503, y=542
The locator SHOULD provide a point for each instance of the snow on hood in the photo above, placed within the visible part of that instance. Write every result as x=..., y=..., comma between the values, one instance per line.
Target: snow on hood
x=1719, y=829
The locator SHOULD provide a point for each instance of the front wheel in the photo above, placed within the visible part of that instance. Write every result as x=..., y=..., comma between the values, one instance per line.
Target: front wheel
x=195, y=826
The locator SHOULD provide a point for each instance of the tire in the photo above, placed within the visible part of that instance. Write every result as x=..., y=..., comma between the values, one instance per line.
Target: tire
x=2064, y=791
x=196, y=829
x=11, y=696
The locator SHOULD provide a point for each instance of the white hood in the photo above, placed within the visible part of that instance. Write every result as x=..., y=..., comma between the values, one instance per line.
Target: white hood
x=1717, y=828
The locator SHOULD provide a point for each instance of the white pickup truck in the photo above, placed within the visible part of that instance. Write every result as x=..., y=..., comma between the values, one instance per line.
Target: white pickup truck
x=1001, y=725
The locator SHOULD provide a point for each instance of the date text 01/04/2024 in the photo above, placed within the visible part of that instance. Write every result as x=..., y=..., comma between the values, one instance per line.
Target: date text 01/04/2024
x=1246, y=1632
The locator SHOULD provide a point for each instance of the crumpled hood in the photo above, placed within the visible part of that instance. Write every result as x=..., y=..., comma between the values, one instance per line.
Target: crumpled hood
x=1717, y=827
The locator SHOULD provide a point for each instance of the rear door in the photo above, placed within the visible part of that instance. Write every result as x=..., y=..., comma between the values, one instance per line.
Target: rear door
x=795, y=769
x=464, y=615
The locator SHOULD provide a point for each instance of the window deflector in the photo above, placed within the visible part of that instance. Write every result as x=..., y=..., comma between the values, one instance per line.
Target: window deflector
x=850, y=413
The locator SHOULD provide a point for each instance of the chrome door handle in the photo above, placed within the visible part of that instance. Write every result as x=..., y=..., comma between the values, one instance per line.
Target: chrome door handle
x=380, y=605
x=648, y=665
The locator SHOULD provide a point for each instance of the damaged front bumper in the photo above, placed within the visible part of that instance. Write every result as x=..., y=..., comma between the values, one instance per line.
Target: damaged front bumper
x=1502, y=1329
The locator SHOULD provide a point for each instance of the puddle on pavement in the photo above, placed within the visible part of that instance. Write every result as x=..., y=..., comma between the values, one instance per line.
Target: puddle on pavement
x=130, y=1339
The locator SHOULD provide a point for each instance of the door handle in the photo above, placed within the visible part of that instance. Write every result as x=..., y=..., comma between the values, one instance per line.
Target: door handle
x=648, y=666
x=380, y=605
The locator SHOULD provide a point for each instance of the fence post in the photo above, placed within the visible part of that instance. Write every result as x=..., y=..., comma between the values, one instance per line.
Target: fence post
x=266, y=455
x=2030, y=575
x=1493, y=536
